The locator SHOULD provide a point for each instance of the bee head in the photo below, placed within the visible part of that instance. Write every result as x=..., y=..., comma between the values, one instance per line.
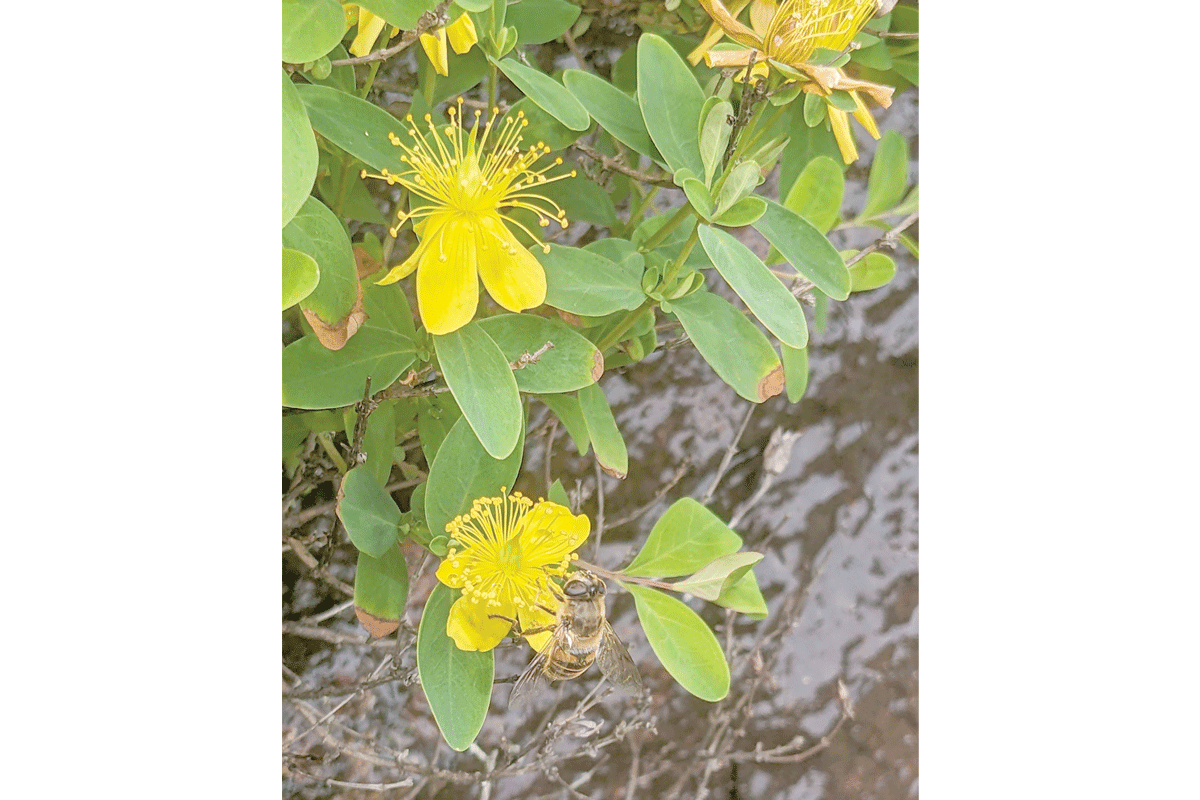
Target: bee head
x=583, y=584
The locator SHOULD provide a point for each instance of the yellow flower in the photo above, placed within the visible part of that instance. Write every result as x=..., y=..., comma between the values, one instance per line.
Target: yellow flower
x=789, y=33
x=460, y=185
x=510, y=548
x=462, y=38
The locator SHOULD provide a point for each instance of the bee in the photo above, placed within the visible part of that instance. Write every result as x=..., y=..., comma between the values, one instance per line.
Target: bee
x=581, y=635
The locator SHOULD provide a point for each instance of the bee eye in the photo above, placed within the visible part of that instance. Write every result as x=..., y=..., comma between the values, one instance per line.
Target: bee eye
x=575, y=589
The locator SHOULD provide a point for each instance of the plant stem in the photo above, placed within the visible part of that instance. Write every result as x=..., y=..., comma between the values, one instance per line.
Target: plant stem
x=665, y=231
x=620, y=576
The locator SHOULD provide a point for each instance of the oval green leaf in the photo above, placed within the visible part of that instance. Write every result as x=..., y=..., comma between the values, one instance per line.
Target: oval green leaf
x=889, y=174
x=311, y=28
x=603, y=432
x=300, y=276
x=740, y=183
x=299, y=153
x=617, y=112
x=671, y=101
x=316, y=377
x=380, y=590
x=369, y=513
x=582, y=199
x=806, y=248
x=683, y=643
x=711, y=579
x=541, y=21
x=746, y=211
x=714, y=134
x=731, y=344
x=759, y=288
x=571, y=363
x=872, y=271
x=457, y=683
x=461, y=472
x=817, y=193
x=358, y=127
x=744, y=596
x=686, y=538
x=316, y=232
x=482, y=383
x=582, y=282
x=698, y=196
x=547, y=93
x=403, y=14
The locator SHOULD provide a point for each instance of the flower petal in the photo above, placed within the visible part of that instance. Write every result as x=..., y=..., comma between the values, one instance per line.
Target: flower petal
x=471, y=628
x=550, y=533
x=511, y=275
x=736, y=30
x=462, y=34
x=863, y=115
x=841, y=131
x=435, y=47
x=369, y=27
x=447, y=286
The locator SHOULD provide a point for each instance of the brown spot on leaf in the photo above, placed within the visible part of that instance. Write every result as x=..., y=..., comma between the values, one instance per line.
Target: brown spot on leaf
x=364, y=263
x=335, y=335
x=618, y=475
x=571, y=319
x=597, y=365
x=771, y=384
x=376, y=626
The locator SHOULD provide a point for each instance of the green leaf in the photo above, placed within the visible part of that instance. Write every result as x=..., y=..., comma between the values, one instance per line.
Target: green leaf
x=299, y=152
x=369, y=513
x=817, y=193
x=683, y=643
x=814, y=109
x=557, y=494
x=567, y=409
x=744, y=596
x=714, y=134
x=379, y=441
x=403, y=14
x=698, y=196
x=582, y=199
x=380, y=590
x=617, y=112
x=806, y=248
x=711, y=579
x=889, y=174
x=547, y=93
x=671, y=101
x=358, y=127
x=300, y=276
x=316, y=232
x=603, y=432
x=758, y=287
x=344, y=191
x=311, y=28
x=746, y=211
x=387, y=307
x=732, y=345
x=685, y=538
x=541, y=21
x=571, y=363
x=581, y=282
x=740, y=183
x=457, y=683
x=872, y=271
x=461, y=472
x=316, y=377
x=340, y=78
x=795, y=368
x=435, y=417
x=542, y=127
x=482, y=383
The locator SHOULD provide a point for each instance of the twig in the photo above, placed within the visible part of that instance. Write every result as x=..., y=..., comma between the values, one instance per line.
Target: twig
x=527, y=358
x=311, y=562
x=728, y=456
x=888, y=240
x=428, y=21
x=615, y=164
x=574, y=48
x=599, y=509
x=301, y=517
x=680, y=471
x=362, y=411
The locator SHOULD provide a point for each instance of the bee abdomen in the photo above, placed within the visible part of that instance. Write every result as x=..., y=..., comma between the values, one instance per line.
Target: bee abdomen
x=569, y=665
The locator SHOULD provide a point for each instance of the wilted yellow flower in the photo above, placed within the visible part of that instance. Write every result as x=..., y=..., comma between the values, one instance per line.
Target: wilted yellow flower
x=461, y=184
x=510, y=549
x=462, y=38
x=789, y=33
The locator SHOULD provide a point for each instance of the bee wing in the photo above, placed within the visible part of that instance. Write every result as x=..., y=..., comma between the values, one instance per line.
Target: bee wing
x=615, y=662
x=533, y=680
